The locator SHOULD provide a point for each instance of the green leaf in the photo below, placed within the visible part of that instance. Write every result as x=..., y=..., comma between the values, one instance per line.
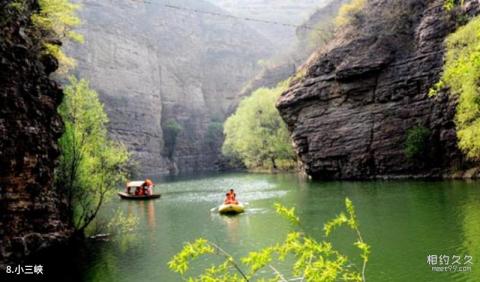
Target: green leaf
x=287, y=213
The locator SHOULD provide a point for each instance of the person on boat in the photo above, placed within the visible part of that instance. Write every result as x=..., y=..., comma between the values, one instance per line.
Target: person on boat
x=234, y=196
x=227, y=199
x=148, y=187
x=138, y=190
x=232, y=193
x=231, y=198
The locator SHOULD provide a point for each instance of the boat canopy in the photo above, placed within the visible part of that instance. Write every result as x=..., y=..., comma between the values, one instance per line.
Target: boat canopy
x=135, y=183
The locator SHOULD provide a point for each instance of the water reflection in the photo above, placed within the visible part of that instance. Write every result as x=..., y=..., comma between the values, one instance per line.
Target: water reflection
x=143, y=209
x=150, y=206
x=232, y=223
x=471, y=233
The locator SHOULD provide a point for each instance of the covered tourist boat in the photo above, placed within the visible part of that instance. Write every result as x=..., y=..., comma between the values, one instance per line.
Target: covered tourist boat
x=139, y=190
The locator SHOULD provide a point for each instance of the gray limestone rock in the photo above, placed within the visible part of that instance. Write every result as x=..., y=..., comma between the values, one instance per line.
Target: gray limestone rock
x=350, y=114
x=152, y=63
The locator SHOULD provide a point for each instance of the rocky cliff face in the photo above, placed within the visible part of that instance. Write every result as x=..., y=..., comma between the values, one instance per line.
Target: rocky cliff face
x=152, y=64
x=30, y=210
x=350, y=114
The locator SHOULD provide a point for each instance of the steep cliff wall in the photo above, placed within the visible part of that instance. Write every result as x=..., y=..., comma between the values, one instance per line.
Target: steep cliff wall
x=152, y=64
x=350, y=113
x=30, y=210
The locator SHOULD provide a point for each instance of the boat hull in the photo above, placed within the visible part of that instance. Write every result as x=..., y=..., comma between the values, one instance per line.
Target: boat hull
x=231, y=209
x=126, y=196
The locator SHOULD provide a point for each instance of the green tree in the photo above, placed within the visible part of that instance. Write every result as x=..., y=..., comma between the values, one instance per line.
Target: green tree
x=416, y=144
x=256, y=134
x=312, y=260
x=214, y=131
x=461, y=73
x=91, y=166
x=171, y=129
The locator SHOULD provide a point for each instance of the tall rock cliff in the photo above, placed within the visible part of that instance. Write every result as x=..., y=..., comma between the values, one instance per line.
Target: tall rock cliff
x=350, y=114
x=152, y=64
x=30, y=210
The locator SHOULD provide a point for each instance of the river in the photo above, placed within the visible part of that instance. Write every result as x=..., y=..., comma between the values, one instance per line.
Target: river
x=403, y=221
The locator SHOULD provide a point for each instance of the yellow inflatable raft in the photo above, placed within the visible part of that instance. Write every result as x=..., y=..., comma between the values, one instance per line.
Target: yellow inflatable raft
x=231, y=208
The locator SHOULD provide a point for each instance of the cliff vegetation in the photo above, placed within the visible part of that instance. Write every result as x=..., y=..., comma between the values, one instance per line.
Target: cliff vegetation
x=348, y=12
x=461, y=74
x=56, y=19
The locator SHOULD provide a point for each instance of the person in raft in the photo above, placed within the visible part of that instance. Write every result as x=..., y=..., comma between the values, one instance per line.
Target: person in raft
x=231, y=198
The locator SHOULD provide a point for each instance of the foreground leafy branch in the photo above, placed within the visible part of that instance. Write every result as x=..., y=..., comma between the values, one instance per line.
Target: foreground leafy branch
x=312, y=260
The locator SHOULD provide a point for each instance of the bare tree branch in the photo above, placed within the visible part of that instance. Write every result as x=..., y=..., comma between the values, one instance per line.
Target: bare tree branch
x=230, y=259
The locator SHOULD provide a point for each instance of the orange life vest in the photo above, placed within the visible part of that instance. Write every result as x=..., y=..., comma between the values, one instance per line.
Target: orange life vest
x=230, y=199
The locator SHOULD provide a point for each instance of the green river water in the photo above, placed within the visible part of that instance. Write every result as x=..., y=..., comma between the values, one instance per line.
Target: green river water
x=403, y=221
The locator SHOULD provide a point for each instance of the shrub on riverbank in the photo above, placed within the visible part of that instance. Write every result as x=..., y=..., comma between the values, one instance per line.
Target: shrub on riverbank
x=257, y=135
